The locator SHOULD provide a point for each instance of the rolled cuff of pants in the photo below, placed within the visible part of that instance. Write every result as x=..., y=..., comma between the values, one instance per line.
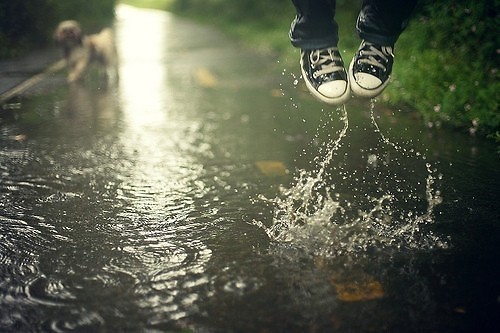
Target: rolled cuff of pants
x=378, y=39
x=314, y=26
x=383, y=21
x=313, y=43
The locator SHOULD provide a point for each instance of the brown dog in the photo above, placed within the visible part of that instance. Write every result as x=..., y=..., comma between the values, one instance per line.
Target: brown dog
x=81, y=50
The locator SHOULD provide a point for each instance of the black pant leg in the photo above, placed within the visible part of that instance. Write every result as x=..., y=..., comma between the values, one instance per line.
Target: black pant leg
x=383, y=21
x=314, y=26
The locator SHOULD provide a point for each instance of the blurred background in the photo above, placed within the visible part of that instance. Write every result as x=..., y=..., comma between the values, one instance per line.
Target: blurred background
x=447, y=60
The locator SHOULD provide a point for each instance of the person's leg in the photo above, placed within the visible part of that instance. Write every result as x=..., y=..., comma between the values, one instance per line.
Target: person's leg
x=379, y=24
x=314, y=31
x=314, y=26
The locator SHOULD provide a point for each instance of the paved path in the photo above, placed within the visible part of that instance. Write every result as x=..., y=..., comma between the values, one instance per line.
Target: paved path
x=17, y=75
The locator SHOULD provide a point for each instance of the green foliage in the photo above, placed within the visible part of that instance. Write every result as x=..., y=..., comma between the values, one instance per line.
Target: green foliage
x=27, y=24
x=92, y=14
x=496, y=137
x=20, y=24
x=451, y=69
x=154, y=4
x=263, y=24
x=236, y=11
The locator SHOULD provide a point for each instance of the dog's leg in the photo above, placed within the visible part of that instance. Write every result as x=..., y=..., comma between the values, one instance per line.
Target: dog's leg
x=77, y=70
x=112, y=73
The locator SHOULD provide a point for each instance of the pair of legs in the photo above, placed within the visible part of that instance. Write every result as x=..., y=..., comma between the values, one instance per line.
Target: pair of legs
x=315, y=32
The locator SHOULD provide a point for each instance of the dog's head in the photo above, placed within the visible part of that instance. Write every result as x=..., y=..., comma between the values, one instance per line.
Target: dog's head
x=68, y=33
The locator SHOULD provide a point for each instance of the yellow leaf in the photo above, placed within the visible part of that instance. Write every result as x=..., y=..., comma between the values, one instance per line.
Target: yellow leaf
x=19, y=137
x=362, y=290
x=205, y=78
x=272, y=168
x=277, y=93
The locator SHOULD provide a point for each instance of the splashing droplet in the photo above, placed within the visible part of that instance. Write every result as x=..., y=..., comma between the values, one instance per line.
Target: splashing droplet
x=351, y=211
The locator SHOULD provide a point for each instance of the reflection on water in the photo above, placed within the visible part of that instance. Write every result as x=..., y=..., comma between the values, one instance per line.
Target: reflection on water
x=134, y=208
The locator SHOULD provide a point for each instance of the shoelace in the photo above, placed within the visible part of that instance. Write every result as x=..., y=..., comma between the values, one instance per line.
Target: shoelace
x=369, y=56
x=326, y=60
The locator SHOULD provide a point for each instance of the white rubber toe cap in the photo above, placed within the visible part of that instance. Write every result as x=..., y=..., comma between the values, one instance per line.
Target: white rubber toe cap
x=365, y=85
x=367, y=81
x=335, y=92
x=333, y=89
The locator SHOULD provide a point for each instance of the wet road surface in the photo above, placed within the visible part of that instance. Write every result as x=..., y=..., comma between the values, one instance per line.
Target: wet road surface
x=208, y=192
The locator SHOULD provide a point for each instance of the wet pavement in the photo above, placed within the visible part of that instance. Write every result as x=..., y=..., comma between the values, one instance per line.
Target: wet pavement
x=15, y=72
x=209, y=192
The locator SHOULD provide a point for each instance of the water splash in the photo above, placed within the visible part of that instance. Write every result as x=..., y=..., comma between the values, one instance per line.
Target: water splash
x=341, y=208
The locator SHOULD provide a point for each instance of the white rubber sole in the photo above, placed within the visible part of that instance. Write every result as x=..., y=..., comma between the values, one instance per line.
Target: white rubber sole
x=362, y=92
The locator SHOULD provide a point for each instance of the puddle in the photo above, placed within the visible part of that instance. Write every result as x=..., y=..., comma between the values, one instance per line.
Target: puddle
x=135, y=208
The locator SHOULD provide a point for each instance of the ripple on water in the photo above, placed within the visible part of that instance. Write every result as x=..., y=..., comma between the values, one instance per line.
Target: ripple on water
x=167, y=260
x=21, y=245
x=25, y=237
x=83, y=321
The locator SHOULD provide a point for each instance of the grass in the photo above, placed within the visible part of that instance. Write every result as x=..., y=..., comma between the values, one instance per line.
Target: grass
x=154, y=4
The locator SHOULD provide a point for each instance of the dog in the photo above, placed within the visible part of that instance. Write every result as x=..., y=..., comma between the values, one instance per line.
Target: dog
x=81, y=50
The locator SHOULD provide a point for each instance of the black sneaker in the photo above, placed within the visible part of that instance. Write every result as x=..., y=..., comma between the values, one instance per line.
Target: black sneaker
x=370, y=69
x=325, y=75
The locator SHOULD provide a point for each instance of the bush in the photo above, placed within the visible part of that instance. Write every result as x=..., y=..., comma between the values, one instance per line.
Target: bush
x=21, y=25
x=452, y=73
x=92, y=14
x=25, y=24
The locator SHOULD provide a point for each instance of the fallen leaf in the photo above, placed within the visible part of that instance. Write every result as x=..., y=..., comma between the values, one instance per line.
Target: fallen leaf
x=277, y=93
x=272, y=168
x=364, y=289
x=19, y=137
x=205, y=78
